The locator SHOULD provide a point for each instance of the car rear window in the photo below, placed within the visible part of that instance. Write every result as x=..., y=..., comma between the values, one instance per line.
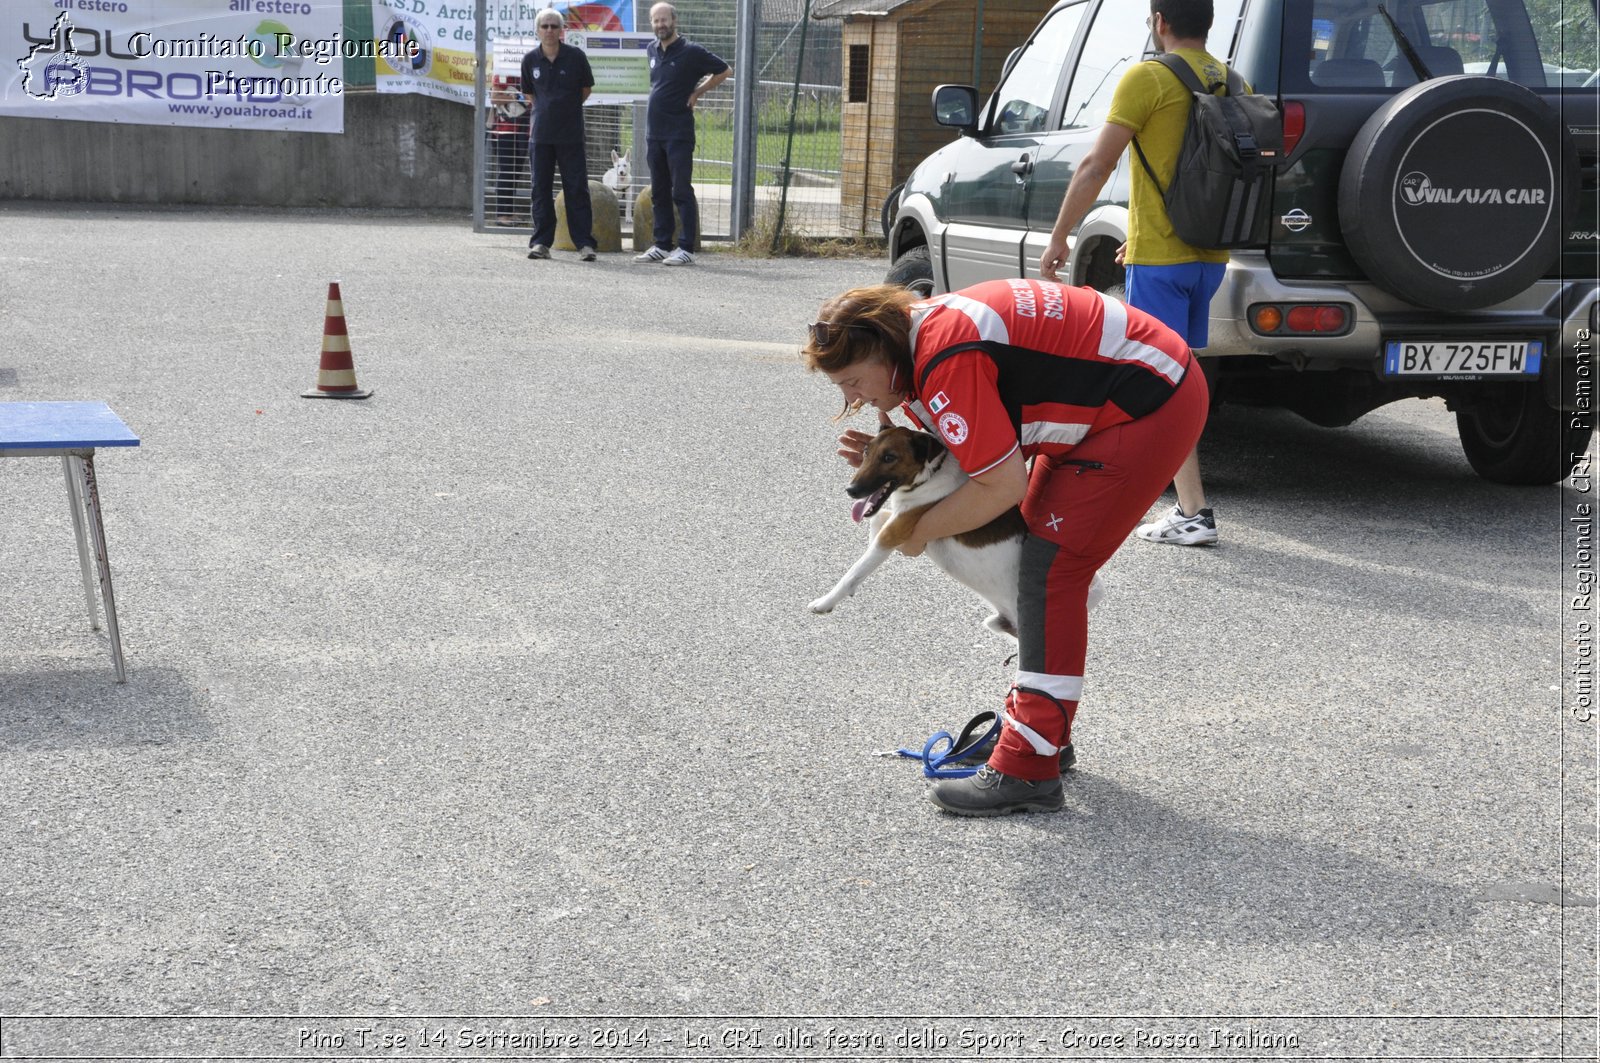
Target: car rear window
x=1350, y=46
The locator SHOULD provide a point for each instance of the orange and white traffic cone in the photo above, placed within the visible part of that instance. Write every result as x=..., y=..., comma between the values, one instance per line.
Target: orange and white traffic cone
x=336, y=377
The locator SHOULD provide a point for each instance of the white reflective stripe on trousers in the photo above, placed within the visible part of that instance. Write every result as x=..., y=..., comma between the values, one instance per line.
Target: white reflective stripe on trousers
x=1035, y=739
x=1060, y=687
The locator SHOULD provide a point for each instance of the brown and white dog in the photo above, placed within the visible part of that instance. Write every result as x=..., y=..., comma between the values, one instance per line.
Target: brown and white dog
x=902, y=474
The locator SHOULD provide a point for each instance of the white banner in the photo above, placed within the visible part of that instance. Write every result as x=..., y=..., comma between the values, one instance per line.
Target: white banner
x=444, y=61
x=618, y=61
x=440, y=46
x=237, y=64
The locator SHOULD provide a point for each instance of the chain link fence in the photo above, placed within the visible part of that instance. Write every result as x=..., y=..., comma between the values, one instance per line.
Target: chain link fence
x=796, y=110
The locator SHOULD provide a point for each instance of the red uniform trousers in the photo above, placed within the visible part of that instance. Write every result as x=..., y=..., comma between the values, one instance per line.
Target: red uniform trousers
x=1080, y=509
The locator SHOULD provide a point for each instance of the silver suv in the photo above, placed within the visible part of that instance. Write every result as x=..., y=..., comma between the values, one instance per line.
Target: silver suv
x=1434, y=231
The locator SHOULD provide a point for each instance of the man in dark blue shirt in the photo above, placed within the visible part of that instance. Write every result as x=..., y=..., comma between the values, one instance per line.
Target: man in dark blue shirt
x=680, y=73
x=556, y=79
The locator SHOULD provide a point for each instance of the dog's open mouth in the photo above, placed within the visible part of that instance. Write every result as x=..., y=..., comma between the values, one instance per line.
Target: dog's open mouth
x=866, y=507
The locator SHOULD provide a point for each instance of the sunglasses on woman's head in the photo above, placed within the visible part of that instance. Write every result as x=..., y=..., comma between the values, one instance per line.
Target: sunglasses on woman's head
x=822, y=331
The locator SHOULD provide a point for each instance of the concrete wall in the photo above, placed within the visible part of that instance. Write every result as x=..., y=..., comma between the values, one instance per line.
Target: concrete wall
x=396, y=151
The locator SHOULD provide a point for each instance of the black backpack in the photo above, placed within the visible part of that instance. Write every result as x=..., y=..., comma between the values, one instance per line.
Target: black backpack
x=1221, y=190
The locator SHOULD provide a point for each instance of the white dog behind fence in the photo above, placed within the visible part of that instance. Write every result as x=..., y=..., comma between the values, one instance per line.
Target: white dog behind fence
x=620, y=180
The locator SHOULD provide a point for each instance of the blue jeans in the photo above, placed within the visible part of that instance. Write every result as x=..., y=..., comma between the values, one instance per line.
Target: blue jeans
x=544, y=158
x=671, y=165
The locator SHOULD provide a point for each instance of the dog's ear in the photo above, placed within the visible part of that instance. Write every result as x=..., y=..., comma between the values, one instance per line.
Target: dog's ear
x=884, y=423
x=925, y=446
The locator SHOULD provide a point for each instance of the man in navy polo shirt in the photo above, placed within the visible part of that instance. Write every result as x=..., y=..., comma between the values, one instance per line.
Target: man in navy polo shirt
x=556, y=79
x=680, y=73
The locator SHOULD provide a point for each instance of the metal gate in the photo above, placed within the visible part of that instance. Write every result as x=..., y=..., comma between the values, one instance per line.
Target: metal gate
x=795, y=109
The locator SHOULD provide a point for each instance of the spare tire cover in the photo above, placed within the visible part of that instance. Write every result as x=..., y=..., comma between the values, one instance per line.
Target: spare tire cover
x=1454, y=193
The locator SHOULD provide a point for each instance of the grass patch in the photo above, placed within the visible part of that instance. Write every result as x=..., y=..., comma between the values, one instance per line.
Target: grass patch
x=763, y=240
x=813, y=150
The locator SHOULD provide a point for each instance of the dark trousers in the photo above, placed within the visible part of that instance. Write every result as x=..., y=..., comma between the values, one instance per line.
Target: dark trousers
x=671, y=165
x=544, y=158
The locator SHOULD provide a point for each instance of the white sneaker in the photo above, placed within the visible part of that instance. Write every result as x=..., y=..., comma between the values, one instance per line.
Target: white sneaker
x=1179, y=529
x=651, y=254
x=680, y=257
x=588, y=254
x=538, y=251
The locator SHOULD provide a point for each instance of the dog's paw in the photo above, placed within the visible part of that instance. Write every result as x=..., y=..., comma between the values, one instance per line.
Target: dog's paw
x=822, y=606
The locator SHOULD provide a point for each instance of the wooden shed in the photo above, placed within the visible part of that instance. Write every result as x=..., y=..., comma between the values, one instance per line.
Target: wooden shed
x=895, y=52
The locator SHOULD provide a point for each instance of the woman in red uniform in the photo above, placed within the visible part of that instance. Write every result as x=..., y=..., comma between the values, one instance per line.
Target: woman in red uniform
x=1106, y=401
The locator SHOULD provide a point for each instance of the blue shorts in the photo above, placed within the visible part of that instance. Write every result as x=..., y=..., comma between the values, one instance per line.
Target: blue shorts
x=1177, y=296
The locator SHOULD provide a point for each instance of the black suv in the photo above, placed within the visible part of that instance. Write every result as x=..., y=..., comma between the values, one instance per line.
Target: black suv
x=1434, y=231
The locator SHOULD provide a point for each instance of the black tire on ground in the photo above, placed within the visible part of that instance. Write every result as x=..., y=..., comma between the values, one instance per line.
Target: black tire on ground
x=1511, y=436
x=913, y=270
x=1103, y=274
x=1455, y=194
x=891, y=203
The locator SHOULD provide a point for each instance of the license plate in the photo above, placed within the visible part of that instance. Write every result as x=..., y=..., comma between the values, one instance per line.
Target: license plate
x=1440, y=358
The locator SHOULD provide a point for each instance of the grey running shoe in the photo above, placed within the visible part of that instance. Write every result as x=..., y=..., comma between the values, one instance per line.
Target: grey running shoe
x=651, y=254
x=990, y=793
x=538, y=251
x=1180, y=529
x=588, y=254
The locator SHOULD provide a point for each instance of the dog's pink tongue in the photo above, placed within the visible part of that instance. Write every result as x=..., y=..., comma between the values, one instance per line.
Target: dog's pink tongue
x=858, y=509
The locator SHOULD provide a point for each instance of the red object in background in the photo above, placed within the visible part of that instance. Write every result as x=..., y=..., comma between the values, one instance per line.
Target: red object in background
x=1294, y=125
x=593, y=17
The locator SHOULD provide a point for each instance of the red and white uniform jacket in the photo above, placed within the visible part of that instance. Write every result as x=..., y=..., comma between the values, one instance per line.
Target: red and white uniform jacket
x=1035, y=365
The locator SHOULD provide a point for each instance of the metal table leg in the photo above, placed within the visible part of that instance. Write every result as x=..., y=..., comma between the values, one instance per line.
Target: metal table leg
x=75, y=501
x=97, y=533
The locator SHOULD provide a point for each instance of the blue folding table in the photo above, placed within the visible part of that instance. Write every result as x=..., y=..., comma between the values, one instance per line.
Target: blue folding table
x=72, y=431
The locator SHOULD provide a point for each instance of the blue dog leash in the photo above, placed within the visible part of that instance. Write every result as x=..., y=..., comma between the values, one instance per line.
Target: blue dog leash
x=942, y=749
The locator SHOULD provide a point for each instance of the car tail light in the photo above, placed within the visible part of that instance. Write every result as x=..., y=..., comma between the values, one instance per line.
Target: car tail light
x=1299, y=319
x=1294, y=125
x=1316, y=319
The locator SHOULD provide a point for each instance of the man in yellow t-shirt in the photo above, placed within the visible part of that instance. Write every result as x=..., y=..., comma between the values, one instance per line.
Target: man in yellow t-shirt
x=1165, y=276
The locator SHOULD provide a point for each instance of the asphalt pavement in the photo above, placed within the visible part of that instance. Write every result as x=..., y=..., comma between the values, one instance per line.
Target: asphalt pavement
x=492, y=704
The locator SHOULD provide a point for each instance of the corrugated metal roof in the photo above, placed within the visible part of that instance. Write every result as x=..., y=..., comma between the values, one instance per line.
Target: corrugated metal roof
x=784, y=10
x=841, y=8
